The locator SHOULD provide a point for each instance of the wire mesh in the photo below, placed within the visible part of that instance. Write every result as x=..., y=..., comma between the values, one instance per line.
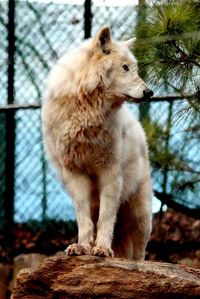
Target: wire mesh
x=2, y=163
x=38, y=195
x=3, y=98
x=43, y=32
x=182, y=148
x=121, y=19
x=3, y=49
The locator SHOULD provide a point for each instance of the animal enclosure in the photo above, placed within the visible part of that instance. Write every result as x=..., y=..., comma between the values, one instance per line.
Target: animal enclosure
x=33, y=35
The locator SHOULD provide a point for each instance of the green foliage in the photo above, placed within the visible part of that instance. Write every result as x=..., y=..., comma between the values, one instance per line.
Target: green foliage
x=157, y=136
x=171, y=47
x=170, y=162
x=161, y=155
x=168, y=54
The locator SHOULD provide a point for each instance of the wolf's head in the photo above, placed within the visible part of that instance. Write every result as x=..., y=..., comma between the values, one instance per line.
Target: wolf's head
x=112, y=63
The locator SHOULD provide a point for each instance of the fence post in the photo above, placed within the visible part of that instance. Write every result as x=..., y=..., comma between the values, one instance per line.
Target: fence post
x=10, y=124
x=87, y=18
x=141, y=18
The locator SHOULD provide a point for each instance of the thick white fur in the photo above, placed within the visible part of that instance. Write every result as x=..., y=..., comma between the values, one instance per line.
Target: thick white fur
x=98, y=148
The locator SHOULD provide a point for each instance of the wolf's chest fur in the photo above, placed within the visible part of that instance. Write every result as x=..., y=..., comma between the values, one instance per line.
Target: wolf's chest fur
x=91, y=147
x=85, y=137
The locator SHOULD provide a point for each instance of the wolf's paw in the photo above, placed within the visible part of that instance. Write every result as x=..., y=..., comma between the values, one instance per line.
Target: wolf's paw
x=77, y=249
x=102, y=251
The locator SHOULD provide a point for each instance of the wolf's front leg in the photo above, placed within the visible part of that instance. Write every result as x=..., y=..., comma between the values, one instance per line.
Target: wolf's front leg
x=110, y=194
x=80, y=188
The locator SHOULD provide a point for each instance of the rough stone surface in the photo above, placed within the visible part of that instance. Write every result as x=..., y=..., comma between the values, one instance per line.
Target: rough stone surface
x=25, y=261
x=94, y=277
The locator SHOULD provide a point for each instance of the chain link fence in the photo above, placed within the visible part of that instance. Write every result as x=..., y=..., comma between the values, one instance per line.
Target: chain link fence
x=45, y=30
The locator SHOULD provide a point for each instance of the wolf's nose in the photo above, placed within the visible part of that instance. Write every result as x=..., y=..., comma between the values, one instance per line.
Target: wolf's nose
x=148, y=93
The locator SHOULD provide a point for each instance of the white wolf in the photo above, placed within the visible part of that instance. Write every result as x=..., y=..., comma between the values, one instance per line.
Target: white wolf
x=99, y=149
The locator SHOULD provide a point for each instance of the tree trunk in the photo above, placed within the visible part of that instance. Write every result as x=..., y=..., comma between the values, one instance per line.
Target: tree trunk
x=93, y=277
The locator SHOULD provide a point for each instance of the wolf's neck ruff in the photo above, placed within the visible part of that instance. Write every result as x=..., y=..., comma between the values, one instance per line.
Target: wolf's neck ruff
x=89, y=136
x=91, y=109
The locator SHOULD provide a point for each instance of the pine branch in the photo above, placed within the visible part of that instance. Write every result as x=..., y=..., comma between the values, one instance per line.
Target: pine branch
x=184, y=56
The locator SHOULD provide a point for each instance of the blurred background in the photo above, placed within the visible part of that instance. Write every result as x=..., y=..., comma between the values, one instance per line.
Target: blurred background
x=36, y=213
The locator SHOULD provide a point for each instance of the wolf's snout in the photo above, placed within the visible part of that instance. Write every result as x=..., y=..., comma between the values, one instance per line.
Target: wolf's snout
x=148, y=93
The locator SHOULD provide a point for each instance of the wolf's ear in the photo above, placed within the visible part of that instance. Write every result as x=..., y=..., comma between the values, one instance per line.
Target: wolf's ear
x=103, y=40
x=129, y=43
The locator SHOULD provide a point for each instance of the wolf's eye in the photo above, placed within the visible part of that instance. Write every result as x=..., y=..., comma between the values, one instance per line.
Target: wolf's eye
x=125, y=67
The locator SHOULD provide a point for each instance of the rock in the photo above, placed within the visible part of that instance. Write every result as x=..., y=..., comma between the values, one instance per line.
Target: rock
x=190, y=262
x=25, y=261
x=63, y=277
